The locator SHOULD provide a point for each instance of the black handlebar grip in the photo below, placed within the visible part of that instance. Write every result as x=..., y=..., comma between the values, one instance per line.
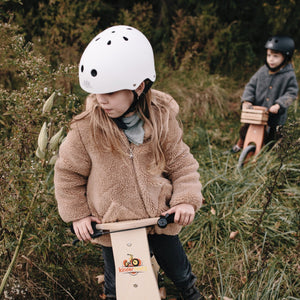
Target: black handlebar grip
x=163, y=221
x=96, y=233
x=170, y=218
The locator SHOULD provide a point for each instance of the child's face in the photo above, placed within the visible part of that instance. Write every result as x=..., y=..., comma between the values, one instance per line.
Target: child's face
x=274, y=58
x=115, y=104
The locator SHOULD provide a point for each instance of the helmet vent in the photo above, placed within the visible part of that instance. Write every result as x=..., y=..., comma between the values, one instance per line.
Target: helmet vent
x=97, y=39
x=109, y=42
x=82, y=68
x=125, y=38
x=94, y=73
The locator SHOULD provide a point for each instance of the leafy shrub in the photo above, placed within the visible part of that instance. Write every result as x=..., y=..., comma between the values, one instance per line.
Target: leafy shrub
x=203, y=37
x=59, y=29
x=190, y=35
x=140, y=17
x=28, y=211
x=226, y=34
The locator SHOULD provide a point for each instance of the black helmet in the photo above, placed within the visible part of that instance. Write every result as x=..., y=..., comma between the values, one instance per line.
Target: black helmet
x=283, y=44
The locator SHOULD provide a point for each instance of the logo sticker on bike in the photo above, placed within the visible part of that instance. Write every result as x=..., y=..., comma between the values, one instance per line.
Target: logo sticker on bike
x=132, y=266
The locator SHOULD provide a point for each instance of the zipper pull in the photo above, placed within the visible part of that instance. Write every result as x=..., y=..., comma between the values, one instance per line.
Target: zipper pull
x=130, y=153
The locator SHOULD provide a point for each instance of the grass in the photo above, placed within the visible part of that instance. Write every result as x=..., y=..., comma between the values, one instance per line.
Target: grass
x=260, y=203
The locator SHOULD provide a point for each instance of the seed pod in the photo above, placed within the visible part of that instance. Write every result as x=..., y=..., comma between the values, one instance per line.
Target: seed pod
x=53, y=160
x=39, y=153
x=100, y=278
x=43, y=138
x=49, y=103
x=54, y=141
x=233, y=234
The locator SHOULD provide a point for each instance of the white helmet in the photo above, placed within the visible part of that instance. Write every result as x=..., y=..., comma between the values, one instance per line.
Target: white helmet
x=119, y=58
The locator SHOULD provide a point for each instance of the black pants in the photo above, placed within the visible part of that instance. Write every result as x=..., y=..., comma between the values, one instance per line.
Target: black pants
x=169, y=254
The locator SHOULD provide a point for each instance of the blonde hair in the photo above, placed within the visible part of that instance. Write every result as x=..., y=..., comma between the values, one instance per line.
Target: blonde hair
x=155, y=115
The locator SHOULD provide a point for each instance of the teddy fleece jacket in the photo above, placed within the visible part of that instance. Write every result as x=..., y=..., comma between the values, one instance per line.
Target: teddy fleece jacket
x=90, y=182
x=266, y=89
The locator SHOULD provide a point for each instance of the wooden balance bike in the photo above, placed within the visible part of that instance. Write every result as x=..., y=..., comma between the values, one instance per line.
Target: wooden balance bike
x=257, y=117
x=136, y=272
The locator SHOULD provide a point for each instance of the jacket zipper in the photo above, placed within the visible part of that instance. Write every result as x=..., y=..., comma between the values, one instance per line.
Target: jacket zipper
x=130, y=152
x=135, y=175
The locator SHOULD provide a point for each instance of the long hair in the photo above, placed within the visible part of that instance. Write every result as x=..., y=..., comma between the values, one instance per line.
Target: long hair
x=104, y=129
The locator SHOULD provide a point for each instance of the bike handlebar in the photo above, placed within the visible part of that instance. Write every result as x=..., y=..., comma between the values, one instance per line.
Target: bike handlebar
x=161, y=222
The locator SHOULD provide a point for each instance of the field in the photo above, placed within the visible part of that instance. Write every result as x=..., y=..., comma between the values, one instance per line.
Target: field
x=244, y=242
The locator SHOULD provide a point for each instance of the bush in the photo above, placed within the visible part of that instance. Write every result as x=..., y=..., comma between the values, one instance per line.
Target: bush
x=28, y=211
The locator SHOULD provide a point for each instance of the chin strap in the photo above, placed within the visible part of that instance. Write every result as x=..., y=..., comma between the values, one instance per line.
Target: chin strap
x=120, y=123
x=132, y=107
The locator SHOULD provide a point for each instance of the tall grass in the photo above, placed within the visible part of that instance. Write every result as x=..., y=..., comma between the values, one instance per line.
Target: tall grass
x=259, y=204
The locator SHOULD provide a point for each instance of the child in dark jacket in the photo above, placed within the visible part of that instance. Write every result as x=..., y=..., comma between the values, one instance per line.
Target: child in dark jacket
x=273, y=86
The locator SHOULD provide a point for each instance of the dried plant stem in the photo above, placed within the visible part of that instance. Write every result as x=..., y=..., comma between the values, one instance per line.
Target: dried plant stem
x=48, y=275
x=269, y=198
x=13, y=261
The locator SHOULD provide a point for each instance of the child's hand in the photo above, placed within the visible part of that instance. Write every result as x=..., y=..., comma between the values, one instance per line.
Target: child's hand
x=246, y=105
x=184, y=213
x=274, y=109
x=83, y=228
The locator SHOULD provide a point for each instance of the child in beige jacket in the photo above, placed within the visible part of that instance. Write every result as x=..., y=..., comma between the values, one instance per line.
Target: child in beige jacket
x=124, y=157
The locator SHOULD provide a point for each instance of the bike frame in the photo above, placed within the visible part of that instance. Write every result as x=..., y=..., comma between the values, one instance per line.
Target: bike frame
x=136, y=277
x=257, y=118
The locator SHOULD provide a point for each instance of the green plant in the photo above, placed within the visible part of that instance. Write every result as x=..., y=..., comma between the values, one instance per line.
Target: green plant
x=140, y=17
x=244, y=241
x=33, y=238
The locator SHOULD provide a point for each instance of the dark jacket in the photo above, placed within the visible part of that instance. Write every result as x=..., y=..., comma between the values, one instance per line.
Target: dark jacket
x=266, y=89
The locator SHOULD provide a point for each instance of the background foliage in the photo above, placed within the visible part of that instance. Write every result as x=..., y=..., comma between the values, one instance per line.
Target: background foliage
x=205, y=53
x=227, y=34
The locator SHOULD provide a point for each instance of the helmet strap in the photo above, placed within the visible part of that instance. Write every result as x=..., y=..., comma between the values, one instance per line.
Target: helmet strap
x=136, y=97
x=119, y=122
x=132, y=107
x=148, y=84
